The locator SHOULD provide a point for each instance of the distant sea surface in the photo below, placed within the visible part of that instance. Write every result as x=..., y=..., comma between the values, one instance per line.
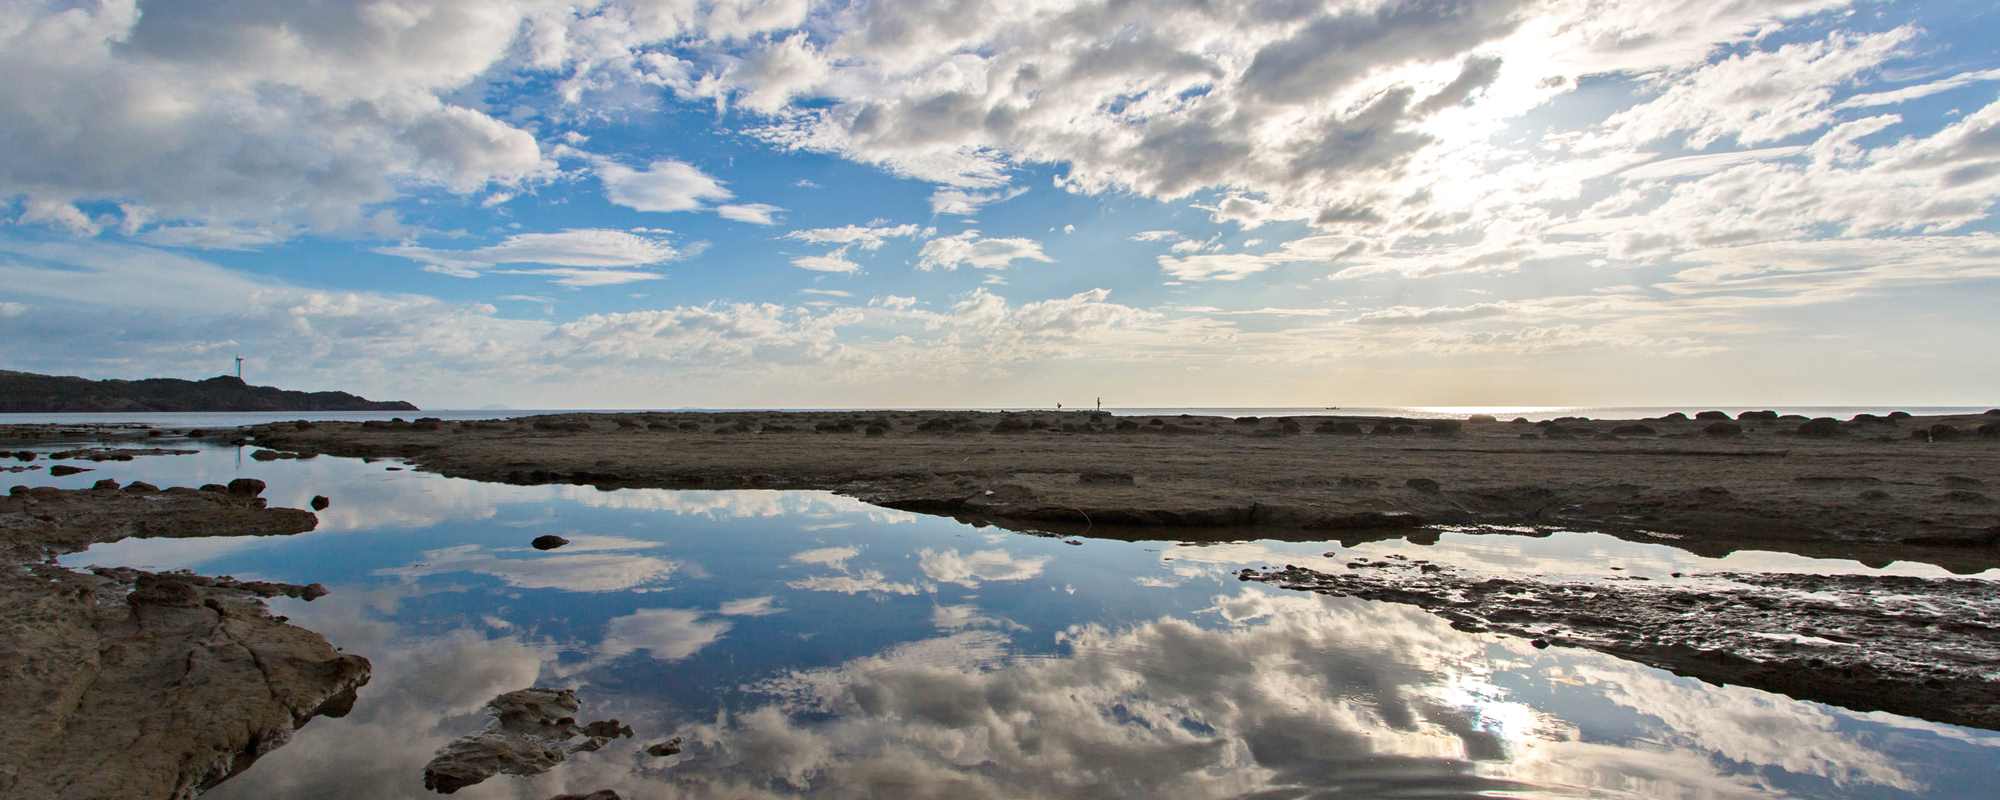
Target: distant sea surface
x=224, y=419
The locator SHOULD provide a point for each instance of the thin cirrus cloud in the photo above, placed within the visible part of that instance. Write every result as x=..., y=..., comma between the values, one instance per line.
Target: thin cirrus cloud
x=576, y=257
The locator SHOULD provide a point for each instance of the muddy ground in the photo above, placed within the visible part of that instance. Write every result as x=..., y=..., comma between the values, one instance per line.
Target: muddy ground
x=1875, y=491
x=124, y=683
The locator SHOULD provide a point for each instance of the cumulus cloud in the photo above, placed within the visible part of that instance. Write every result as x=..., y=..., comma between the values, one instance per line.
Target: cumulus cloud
x=665, y=185
x=254, y=113
x=969, y=249
x=972, y=569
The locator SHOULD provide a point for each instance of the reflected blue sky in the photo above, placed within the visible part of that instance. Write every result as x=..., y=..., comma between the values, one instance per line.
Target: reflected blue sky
x=805, y=643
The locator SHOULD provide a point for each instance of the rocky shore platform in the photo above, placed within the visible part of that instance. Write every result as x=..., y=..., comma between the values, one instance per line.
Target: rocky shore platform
x=126, y=683
x=1874, y=489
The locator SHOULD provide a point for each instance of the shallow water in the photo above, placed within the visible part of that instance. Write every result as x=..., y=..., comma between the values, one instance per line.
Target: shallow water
x=804, y=643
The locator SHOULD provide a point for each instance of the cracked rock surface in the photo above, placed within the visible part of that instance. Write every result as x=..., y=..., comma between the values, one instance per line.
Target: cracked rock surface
x=130, y=684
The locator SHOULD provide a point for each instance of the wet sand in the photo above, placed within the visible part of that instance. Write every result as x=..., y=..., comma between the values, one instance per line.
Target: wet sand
x=124, y=683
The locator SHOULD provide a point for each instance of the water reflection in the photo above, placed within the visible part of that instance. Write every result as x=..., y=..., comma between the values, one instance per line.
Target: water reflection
x=803, y=643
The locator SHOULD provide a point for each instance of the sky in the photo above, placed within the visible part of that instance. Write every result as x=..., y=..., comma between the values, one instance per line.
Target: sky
x=787, y=203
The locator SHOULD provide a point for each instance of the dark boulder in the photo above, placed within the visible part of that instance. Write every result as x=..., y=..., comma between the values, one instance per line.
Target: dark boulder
x=666, y=748
x=1871, y=419
x=1723, y=429
x=319, y=502
x=246, y=487
x=548, y=541
x=1765, y=416
x=1675, y=417
x=1248, y=420
x=1820, y=428
x=1482, y=418
x=1711, y=415
x=61, y=470
x=1899, y=415
x=107, y=485
x=140, y=487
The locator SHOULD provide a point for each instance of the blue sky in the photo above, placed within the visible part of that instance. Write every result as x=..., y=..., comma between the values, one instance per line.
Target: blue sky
x=792, y=203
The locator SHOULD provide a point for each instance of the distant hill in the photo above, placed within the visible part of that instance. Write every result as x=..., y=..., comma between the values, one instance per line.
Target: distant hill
x=29, y=392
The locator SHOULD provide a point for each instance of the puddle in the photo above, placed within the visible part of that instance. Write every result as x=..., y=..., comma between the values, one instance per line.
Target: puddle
x=805, y=643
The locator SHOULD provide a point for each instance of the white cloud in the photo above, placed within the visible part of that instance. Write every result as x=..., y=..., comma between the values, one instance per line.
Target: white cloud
x=582, y=257
x=972, y=569
x=611, y=565
x=836, y=261
x=763, y=606
x=866, y=237
x=666, y=634
x=1919, y=91
x=753, y=213
x=970, y=250
x=964, y=203
x=665, y=185
x=279, y=113
x=1411, y=315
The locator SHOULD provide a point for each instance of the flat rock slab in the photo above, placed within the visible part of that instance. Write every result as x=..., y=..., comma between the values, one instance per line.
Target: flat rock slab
x=1913, y=646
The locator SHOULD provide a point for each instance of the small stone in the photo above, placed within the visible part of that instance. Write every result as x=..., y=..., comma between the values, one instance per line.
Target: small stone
x=548, y=541
x=1540, y=644
x=319, y=502
x=666, y=748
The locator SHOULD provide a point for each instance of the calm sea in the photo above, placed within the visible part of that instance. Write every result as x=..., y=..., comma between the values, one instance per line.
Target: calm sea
x=223, y=419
